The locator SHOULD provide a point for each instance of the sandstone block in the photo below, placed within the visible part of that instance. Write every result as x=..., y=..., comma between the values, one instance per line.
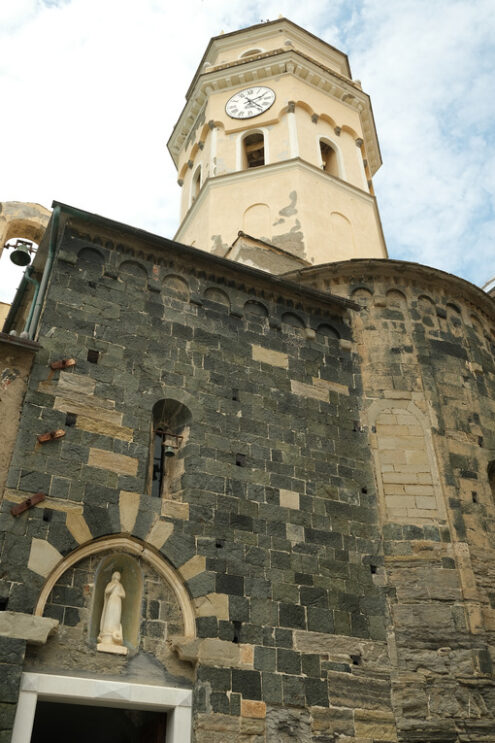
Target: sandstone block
x=267, y=356
x=251, y=708
x=128, y=510
x=307, y=390
x=33, y=629
x=121, y=464
x=104, y=428
x=76, y=524
x=289, y=499
x=43, y=557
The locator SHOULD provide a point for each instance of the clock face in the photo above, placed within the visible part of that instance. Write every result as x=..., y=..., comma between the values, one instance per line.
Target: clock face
x=250, y=102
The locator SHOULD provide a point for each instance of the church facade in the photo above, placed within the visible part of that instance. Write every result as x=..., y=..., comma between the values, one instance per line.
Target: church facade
x=248, y=475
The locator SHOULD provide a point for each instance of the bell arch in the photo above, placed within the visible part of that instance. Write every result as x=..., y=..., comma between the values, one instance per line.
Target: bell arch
x=132, y=546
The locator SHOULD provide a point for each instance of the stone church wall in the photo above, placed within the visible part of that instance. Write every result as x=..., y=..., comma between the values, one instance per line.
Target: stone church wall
x=426, y=342
x=271, y=521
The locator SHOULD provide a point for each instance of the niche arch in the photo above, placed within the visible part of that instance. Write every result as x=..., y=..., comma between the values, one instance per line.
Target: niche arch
x=212, y=294
x=177, y=286
x=132, y=582
x=328, y=331
x=256, y=221
x=406, y=466
x=341, y=235
x=132, y=546
x=133, y=271
x=255, y=309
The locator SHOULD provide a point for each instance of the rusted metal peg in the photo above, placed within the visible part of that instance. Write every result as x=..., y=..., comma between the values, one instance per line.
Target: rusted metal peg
x=62, y=364
x=26, y=504
x=50, y=436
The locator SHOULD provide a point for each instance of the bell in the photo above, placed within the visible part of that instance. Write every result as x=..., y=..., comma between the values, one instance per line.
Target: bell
x=169, y=451
x=21, y=255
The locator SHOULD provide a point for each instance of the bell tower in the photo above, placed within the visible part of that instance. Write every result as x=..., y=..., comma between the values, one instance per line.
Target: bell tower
x=276, y=141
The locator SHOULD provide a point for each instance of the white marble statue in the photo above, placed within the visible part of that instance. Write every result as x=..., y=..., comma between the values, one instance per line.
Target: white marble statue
x=110, y=639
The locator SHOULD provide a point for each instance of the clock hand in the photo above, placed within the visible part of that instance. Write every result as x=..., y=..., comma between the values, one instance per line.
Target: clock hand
x=253, y=102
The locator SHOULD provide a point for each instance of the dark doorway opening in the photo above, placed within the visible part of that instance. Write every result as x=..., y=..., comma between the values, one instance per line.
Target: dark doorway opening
x=59, y=723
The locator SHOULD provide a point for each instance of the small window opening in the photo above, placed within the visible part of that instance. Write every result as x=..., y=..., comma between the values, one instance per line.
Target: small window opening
x=47, y=514
x=356, y=660
x=169, y=431
x=219, y=544
x=70, y=419
x=474, y=496
x=4, y=602
x=491, y=477
x=329, y=158
x=196, y=185
x=93, y=356
x=237, y=631
x=373, y=569
x=235, y=394
x=364, y=490
x=240, y=460
x=254, y=150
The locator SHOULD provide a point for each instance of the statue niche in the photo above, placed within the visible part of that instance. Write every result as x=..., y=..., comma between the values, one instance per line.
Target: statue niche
x=116, y=610
x=110, y=639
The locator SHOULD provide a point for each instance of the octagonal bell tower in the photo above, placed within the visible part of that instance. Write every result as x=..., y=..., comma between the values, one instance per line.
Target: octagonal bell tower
x=276, y=141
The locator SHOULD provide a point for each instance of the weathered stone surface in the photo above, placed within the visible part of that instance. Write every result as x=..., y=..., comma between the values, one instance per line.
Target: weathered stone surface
x=268, y=356
x=27, y=627
x=109, y=460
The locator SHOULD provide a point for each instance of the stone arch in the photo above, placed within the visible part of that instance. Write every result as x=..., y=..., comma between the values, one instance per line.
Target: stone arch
x=454, y=319
x=362, y=294
x=253, y=308
x=133, y=271
x=131, y=546
x=24, y=220
x=328, y=331
x=405, y=463
x=256, y=221
x=176, y=285
x=91, y=262
x=293, y=321
x=217, y=295
x=396, y=298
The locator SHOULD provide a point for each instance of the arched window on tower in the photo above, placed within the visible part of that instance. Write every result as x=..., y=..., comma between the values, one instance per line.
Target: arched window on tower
x=196, y=184
x=253, y=150
x=329, y=158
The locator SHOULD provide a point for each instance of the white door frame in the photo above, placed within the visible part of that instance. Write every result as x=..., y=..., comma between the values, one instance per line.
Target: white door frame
x=103, y=693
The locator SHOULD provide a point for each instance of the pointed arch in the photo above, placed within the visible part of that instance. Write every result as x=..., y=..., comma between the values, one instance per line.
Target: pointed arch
x=132, y=546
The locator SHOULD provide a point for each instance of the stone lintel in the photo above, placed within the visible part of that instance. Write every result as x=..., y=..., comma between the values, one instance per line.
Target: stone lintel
x=20, y=626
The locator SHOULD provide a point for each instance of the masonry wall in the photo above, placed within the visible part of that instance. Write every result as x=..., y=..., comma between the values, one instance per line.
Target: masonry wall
x=272, y=522
x=427, y=347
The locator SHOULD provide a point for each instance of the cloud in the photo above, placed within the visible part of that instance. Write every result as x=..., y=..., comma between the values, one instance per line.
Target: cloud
x=94, y=87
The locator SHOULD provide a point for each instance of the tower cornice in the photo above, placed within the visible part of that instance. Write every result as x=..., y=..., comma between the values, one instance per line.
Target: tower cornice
x=276, y=62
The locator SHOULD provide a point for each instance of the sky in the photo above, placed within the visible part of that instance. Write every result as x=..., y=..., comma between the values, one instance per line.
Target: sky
x=91, y=90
